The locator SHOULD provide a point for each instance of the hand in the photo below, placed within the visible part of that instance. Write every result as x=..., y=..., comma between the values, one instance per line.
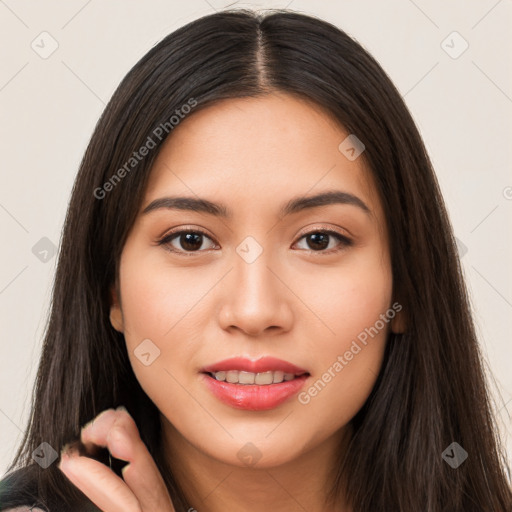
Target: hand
x=142, y=488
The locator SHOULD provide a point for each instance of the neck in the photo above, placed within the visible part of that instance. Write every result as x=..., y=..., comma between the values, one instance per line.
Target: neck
x=211, y=485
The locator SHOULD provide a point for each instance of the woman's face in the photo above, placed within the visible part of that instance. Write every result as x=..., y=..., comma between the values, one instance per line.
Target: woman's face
x=269, y=279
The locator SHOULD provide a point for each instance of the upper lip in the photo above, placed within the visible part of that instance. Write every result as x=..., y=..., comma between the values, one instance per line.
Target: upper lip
x=263, y=364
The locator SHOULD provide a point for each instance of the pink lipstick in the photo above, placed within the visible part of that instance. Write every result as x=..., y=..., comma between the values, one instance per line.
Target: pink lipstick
x=254, y=385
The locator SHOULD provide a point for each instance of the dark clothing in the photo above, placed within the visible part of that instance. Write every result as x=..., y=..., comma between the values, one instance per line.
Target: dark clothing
x=20, y=489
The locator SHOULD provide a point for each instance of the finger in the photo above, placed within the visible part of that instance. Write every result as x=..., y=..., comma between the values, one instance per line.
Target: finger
x=117, y=430
x=105, y=489
x=97, y=429
x=141, y=474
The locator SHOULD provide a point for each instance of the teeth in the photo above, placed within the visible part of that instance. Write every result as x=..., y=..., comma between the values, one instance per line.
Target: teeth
x=278, y=377
x=247, y=378
x=232, y=376
x=220, y=375
x=263, y=378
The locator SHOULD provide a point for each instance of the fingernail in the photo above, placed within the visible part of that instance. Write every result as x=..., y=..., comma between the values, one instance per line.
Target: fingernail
x=90, y=423
x=122, y=408
x=74, y=448
x=65, y=455
x=65, y=461
x=65, y=451
x=87, y=425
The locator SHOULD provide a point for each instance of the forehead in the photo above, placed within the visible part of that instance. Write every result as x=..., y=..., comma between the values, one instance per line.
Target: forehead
x=260, y=150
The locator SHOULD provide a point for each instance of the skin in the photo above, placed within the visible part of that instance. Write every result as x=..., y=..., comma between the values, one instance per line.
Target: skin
x=292, y=302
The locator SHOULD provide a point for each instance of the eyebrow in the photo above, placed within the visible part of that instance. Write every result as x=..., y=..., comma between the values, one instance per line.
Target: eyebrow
x=294, y=205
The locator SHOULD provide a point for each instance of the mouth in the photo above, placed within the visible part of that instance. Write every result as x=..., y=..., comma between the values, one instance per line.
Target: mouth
x=260, y=379
x=254, y=385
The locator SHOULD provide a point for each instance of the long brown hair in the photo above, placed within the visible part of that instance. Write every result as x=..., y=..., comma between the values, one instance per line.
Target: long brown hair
x=431, y=390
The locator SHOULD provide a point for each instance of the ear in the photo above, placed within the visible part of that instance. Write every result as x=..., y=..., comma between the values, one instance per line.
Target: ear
x=398, y=323
x=116, y=315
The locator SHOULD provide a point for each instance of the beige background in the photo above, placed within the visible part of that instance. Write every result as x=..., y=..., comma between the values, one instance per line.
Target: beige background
x=461, y=101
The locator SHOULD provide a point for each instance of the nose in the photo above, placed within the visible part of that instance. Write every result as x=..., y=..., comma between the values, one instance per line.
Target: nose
x=256, y=299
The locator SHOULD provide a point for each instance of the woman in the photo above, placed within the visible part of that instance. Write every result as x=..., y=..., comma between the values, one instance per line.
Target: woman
x=257, y=263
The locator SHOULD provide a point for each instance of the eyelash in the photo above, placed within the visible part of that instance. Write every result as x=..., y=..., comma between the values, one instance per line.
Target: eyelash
x=344, y=241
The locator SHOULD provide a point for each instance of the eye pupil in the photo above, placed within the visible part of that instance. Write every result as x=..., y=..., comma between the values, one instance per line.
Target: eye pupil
x=192, y=241
x=189, y=241
x=320, y=240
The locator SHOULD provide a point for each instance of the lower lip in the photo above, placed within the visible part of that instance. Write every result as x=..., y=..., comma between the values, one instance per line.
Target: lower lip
x=253, y=397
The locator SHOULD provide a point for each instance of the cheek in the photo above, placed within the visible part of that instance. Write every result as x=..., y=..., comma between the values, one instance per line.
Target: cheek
x=348, y=356
x=347, y=299
x=157, y=302
x=164, y=304
x=157, y=299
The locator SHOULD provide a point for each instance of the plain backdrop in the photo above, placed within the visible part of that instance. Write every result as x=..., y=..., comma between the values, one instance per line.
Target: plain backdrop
x=451, y=61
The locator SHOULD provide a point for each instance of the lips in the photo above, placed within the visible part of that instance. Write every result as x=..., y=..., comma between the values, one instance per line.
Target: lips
x=264, y=364
x=254, y=385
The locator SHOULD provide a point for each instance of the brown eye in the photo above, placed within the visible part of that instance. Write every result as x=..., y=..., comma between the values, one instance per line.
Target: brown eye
x=190, y=241
x=318, y=241
x=185, y=241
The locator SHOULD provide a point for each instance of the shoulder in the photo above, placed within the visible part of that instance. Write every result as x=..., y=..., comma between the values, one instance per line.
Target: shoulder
x=20, y=492
x=24, y=508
